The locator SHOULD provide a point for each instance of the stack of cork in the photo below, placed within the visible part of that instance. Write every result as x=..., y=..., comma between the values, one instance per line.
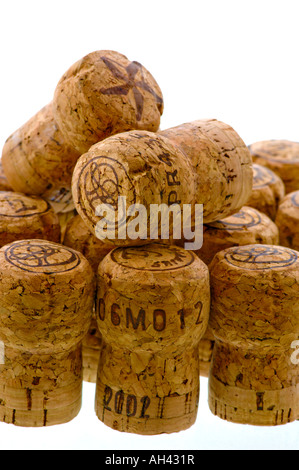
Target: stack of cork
x=94, y=288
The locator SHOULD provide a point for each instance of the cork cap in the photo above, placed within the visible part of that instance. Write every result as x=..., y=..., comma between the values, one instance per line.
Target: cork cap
x=26, y=217
x=138, y=166
x=148, y=377
x=4, y=184
x=287, y=221
x=254, y=318
x=36, y=159
x=46, y=292
x=222, y=165
x=282, y=157
x=268, y=191
x=103, y=94
x=246, y=227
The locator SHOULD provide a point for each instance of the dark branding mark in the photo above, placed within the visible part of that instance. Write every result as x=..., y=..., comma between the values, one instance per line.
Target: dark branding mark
x=19, y=206
x=261, y=257
x=244, y=218
x=262, y=176
x=295, y=198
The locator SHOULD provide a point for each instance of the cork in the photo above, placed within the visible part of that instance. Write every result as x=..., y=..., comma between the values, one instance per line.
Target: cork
x=267, y=192
x=254, y=378
x=4, y=185
x=79, y=238
x=222, y=165
x=26, y=217
x=287, y=221
x=46, y=296
x=141, y=168
x=153, y=304
x=280, y=156
x=102, y=94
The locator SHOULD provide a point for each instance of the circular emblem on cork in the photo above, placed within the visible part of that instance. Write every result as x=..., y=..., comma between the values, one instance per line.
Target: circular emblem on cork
x=38, y=256
x=19, y=206
x=101, y=181
x=244, y=218
x=295, y=198
x=280, y=151
x=261, y=257
x=262, y=176
x=153, y=257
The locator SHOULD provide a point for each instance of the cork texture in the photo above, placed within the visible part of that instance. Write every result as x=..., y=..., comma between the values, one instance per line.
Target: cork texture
x=222, y=165
x=23, y=217
x=287, y=221
x=148, y=377
x=282, y=157
x=4, y=184
x=139, y=166
x=104, y=94
x=46, y=298
x=267, y=192
x=254, y=319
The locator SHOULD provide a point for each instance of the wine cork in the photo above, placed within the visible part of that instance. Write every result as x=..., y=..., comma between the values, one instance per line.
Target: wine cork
x=268, y=191
x=222, y=165
x=23, y=217
x=254, y=378
x=138, y=167
x=247, y=227
x=79, y=238
x=46, y=297
x=153, y=305
x=102, y=94
x=280, y=156
x=287, y=221
x=4, y=185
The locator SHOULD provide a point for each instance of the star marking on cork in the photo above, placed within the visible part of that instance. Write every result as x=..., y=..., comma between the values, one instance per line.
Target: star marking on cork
x=128, y=76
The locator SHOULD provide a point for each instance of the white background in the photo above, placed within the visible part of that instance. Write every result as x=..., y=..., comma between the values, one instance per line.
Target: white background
x=233, y=60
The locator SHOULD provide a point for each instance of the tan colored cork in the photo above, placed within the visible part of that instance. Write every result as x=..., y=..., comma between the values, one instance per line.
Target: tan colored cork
x=102, y=94
x=46, y=297
x=79, y=238
x=105, y=94
x=4, y=185
x=140, y=166
x=153, y=306
x=222, y=164
x=287, y=221
x=26, y=217
x=268, y=191
x=254, y=378
x=282, y=157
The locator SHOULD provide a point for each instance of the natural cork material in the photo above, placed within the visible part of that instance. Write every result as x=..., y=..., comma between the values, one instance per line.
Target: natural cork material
x=222, y=165
x=248, y=226
x=282, y=157
x=23, y=217
x=79, y=238
x=141, y=167
x=287, y=221
x=255, y=321
x=63, y=205
x=46, y=297
x=267, y=192
x=4, y=184
x=102, y=94
x=153, y=306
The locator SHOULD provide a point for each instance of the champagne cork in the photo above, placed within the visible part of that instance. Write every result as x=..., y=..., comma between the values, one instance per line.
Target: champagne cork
x=138, y=167
x=287, y=221
x=100, y=95
x=222, y=165
x=79, y=238
x=247, y=227
x=153, y=306
x=46, y=297
x=268, y=191
x=282, y=157
x=23, y=217
x=254, y=378
x=4, y=185
x=63, y=205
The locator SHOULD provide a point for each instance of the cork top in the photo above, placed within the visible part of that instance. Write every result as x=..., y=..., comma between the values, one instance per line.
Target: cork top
x=263, y=177
x=17, y=205
x=247, y=218
x=279, y=151
x=255, y=291
x=290, y=205
x=103, y=94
